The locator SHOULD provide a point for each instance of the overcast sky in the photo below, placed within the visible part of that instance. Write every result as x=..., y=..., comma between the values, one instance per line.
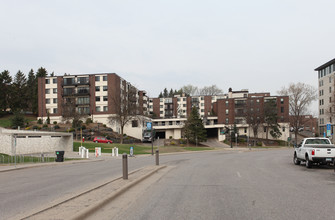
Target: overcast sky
x=260, y=45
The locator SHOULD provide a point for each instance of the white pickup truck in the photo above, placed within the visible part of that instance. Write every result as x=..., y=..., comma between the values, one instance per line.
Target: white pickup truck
x=314, y=151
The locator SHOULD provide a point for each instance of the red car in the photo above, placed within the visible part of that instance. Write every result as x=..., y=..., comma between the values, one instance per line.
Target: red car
x=102, y=140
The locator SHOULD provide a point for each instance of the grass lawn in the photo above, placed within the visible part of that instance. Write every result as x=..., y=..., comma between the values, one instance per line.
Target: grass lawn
x=7, y=123
x=138, y=149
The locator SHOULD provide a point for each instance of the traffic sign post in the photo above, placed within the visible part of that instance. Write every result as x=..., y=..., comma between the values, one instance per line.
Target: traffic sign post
x=329, y=127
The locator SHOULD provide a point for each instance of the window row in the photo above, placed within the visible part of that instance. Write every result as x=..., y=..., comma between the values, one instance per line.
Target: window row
x=103, y=109
x=54, y=91
x=54, y=81
x=104, y=88
x=54, y=101
x=97, y=78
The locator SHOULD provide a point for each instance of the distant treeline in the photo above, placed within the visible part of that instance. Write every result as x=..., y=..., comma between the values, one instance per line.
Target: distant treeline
x=20, y=93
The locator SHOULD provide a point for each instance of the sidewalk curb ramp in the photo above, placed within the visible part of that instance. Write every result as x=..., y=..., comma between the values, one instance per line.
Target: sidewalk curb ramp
x=87, y=203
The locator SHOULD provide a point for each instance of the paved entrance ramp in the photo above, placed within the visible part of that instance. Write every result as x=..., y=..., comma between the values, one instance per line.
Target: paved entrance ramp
x=213, y=142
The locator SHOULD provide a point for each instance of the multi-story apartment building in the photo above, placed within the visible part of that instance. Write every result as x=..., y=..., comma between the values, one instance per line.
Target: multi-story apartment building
x=218, y=112
x=94, y=95
x=326, y=73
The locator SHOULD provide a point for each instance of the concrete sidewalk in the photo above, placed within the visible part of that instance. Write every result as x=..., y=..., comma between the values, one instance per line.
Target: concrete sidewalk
x=68, y=155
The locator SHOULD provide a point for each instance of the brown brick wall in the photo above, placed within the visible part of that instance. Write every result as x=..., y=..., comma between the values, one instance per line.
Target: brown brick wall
x=41, y=97
x=59, y=95
x=208, y=105
x=92, y=92
x=155, y=102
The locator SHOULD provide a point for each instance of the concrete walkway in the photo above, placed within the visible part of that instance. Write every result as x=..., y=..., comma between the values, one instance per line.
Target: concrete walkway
x=68, y=155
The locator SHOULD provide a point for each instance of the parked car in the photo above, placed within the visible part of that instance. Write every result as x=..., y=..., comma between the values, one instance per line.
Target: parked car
x=102, y=140
x=314, y=151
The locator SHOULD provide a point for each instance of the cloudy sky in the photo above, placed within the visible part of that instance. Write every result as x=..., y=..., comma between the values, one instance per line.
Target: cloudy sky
x=260, y=45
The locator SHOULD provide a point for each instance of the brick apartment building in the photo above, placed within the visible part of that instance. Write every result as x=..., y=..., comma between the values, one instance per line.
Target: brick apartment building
x=217, y=112
x=92, y=95
x=326, y=81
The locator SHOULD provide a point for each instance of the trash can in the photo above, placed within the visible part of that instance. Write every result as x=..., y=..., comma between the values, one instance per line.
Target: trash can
x=59, y=156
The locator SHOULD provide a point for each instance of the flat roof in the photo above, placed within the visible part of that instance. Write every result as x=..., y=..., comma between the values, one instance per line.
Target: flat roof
x=325, y=65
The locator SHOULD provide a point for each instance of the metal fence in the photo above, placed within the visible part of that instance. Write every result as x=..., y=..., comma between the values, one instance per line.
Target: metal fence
x=27, y=158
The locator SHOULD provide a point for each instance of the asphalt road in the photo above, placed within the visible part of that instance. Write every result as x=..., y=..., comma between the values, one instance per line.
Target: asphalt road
x=22, y=191
x=206, y=185
x=251, y=185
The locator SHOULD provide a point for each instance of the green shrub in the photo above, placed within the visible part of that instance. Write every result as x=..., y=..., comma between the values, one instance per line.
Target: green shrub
x=55, y=122
x=83, y=127
x=56, y=127
x=170, y=137
x=39, y=121
x=45, y=126
x=172, y=143
x=70, y=130
x=104, y=125
x=259, y=144
x=88, y=121
x=17, y=120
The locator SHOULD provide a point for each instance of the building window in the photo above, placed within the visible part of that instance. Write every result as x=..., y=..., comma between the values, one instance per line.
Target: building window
x=134, y=123
x=47, y=81
x=104, y=78
x=97, y=88
x=281, y=101
x=227, y=111
x=330, y=99
x=227, y=103
x=105, y=99
x=105, y=108
x=97, y=98
x=282, y=109
x=55, y=110
x=97, y=78
x=283, y=129
x=47, y=101
x=105, y=88
x=264, y=129
x=330, y=79
x=54, y=80
x=184, y=105
x=83, y=101
x=97, y=109
x=227, y=120
x=330, y=89
x=245, y=130
x=47, y=91
x=55, y=101
x=54, y=91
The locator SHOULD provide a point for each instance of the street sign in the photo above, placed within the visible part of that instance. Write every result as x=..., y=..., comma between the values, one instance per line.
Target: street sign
x=329, y=127
x=131, y=153
x=149, y=125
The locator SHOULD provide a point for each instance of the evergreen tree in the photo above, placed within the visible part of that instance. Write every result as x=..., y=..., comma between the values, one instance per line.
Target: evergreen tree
x=165, y=93
x=5, y=89
x=41, y=72
x=18, y=98
x=171, y=93
x=17, y=120
x=271, y=118
x=194, y=129
x=160, y=95
x=32, y=92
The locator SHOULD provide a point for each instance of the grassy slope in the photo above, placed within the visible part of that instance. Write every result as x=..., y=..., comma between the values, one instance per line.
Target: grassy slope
x=6, y=120
x=138, y=149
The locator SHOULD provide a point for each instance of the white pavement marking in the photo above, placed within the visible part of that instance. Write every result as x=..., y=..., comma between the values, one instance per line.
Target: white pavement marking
x=238, y=174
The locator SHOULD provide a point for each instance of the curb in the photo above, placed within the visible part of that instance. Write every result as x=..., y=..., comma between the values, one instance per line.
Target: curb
x=91, y=210
x=48, y=164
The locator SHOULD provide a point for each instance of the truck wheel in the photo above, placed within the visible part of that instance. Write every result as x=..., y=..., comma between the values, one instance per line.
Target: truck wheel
x=308, y=163
x=296, y=161
x=96, y=141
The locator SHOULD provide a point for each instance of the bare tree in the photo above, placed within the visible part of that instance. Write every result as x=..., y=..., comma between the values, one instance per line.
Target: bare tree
x=190, y=90
x=254, y=116
x=300, y=95
x=210, y=90
x=271, y=118
x=126, y=109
